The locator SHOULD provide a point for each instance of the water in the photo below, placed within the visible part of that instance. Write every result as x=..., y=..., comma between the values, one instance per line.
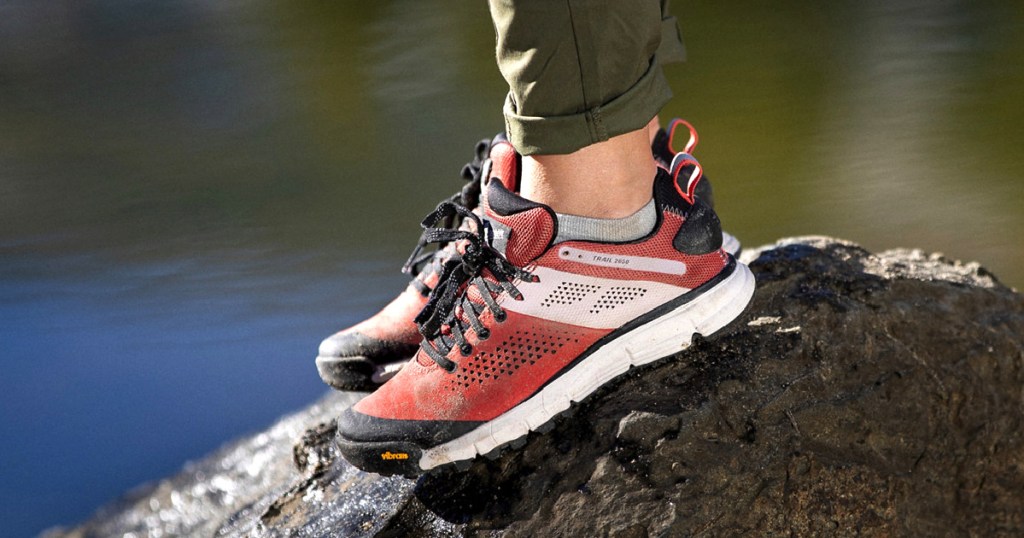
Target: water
x=192, y=195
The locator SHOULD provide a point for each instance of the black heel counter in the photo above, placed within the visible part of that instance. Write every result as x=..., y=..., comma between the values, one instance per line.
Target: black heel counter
x=701, y=232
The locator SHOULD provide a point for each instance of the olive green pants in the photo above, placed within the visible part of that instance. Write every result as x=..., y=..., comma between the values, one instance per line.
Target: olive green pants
x=582, y=71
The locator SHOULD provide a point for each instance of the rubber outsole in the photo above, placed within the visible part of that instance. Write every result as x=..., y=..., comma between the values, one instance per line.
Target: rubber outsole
x=646, y=343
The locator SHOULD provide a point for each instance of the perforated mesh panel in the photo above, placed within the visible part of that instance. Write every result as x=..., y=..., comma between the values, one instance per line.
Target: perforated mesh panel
x=615, y=296
x=521, y=349
x=568, y=293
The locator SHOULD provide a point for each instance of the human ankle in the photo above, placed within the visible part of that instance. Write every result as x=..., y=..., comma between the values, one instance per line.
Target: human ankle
x=610, y=179
x=653, y=127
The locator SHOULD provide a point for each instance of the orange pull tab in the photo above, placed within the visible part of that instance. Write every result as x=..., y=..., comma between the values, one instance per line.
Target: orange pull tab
x=679, y=162
x=673, y=126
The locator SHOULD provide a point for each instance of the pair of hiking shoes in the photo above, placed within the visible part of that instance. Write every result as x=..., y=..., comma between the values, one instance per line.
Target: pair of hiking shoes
x=501, y=328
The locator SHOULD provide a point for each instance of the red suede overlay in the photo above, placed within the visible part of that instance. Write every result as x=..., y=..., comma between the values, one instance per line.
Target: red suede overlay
x=520, y=356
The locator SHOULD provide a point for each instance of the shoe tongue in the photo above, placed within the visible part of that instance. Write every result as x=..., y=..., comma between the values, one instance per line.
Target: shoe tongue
x=522, y=230
x=504, y=164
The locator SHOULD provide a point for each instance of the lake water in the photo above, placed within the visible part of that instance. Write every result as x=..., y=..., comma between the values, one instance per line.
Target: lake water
x=193, y=194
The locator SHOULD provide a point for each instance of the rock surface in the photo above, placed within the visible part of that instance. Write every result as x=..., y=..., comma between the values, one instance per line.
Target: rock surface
x=859, y=394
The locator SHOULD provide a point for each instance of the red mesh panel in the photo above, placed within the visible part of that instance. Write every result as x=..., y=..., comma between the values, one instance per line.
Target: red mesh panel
x=521, y=355
x=522, y=348
x=532, y=232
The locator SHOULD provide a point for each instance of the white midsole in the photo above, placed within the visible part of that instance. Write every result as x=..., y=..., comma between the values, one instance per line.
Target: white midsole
x=647, y=343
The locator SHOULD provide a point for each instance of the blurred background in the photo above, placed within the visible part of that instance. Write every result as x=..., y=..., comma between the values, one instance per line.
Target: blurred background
x=194, y=194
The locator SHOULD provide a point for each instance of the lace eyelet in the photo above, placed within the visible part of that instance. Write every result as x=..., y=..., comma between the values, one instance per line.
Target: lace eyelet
x=465, y=349
x=500, y=317
x=484, y=334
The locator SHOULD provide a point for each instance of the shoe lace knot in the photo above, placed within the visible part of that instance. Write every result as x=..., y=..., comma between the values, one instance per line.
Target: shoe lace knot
x=450, y=308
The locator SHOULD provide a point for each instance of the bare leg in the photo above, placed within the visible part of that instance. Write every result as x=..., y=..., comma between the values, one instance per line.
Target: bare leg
x=652, y=128
x=609, y=180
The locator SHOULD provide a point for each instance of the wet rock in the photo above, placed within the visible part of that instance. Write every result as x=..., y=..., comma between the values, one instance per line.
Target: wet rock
x=860, y=394
x=643, y=428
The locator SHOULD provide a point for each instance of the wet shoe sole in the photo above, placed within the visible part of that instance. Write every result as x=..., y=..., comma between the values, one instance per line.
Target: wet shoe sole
x=658, y=334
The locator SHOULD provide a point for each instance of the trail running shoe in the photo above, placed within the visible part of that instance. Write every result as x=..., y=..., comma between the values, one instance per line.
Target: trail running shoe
x=366, y=355
x=518, y=328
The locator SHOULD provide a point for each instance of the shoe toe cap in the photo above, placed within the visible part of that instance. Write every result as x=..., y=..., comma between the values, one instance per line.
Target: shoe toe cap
x=341, y=344
x=354, y=426
x=357, y=344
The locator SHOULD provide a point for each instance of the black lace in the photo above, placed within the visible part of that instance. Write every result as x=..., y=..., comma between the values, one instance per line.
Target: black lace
x=468, y=196
x=450, y=298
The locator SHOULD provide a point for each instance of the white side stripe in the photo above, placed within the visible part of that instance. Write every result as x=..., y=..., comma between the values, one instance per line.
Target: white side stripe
x=634, y=263
x=598, y=303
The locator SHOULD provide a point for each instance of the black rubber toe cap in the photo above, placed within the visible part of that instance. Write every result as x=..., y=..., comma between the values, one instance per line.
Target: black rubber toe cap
x=355, y=427
x=356, y=344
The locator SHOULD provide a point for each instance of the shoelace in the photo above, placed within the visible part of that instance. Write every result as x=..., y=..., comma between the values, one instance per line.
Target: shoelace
x=450, y=299
x=468, y=196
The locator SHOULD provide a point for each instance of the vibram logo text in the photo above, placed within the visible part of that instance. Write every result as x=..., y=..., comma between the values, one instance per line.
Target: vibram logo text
x=394, y=456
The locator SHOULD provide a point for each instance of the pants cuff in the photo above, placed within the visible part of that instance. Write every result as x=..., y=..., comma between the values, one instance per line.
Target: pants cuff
x=533, y=135
x=672, y=49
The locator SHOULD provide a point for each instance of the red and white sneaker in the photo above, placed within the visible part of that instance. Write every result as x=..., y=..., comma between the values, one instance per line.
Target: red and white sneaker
x=518, y=328
x=366, y=355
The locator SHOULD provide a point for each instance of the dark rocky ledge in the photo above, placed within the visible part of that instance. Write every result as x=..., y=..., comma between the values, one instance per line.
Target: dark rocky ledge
x=859, y=395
